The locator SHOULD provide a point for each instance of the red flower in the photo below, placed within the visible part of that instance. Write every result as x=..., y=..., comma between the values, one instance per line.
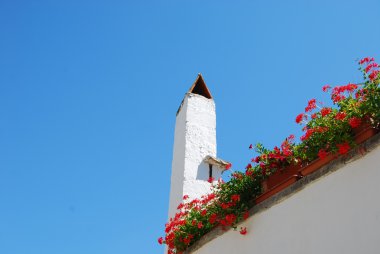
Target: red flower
x=204, y=212
x=343, y=148
x=245, y=215
x=256, y=159
x=249, y=172
x=185, y=197
x=243, y=231
x=212, y=218
x=325, y=88
x=225, y=205
x=250, y=146
x=300, y=118
x=230, y=218
x=210, y=180
x=340, y=116
x=248, y=166
x=326, y=111
x=322, y=154
x=160, y=240
x=237, y=175
x=235, y=198
x=373, y=75
x=228, y=166
x=313, y=116
x=354, y=122
x=200, y=225
x=311, y=105
x=187, y=240
x=308, y=134
x=337, y=98
x=370, y=66
x=366, y=60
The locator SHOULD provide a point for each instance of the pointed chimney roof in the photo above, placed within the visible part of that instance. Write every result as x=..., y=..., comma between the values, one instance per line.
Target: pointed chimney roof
x=200, y=87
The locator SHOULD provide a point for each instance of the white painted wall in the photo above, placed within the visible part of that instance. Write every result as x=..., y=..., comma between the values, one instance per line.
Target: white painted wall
x=338, y=213
x=194, y=139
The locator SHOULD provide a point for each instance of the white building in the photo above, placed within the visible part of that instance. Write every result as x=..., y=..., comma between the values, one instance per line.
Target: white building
x=334, y=210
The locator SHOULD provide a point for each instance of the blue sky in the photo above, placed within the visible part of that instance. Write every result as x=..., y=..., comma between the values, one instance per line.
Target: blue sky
x=89, y=92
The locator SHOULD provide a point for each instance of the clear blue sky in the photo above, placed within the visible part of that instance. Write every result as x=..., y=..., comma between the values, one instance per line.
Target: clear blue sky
x=89, y=92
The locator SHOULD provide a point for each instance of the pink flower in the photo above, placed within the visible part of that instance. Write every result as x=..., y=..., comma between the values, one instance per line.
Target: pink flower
x=250, y=146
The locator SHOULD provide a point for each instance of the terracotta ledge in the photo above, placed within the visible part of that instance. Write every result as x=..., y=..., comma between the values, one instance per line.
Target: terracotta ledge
x=355, y=154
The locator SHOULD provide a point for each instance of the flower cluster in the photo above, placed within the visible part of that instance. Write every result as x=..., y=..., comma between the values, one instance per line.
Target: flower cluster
x=327, y=130
x=224, y=207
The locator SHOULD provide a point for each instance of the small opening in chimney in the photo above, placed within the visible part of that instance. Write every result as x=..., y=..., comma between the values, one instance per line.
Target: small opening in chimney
x=199, y=87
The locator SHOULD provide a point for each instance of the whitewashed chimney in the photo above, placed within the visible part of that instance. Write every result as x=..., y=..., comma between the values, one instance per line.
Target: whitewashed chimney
x=194, y=149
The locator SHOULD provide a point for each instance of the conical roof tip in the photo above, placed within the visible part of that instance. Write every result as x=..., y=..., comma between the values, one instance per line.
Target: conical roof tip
x=200, y=87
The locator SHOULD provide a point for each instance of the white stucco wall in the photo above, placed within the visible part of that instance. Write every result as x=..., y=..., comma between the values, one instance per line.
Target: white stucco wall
x=194, y=139
x=338, y=213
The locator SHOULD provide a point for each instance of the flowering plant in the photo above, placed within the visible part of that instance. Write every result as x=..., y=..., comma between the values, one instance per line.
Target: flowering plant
x=327, y=131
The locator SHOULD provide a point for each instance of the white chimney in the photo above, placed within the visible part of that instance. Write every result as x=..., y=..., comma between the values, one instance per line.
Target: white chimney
x=194, y=151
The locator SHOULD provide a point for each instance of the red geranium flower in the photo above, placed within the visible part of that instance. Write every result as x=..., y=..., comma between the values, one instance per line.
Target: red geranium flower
x=235, y=198
x=212, y=218
x=373, y=75
x=160, y=240
x=300, y=117
x=325, y=88
x=354, y=122
x=322, y=154
x=326, y=111
x=343, y=148
x=311, y=105
x=229, y=165
x=245, y=215
x=250, y=146
x=243, y=231
x=200, y=225
x=230, y=218
x=340, y=116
